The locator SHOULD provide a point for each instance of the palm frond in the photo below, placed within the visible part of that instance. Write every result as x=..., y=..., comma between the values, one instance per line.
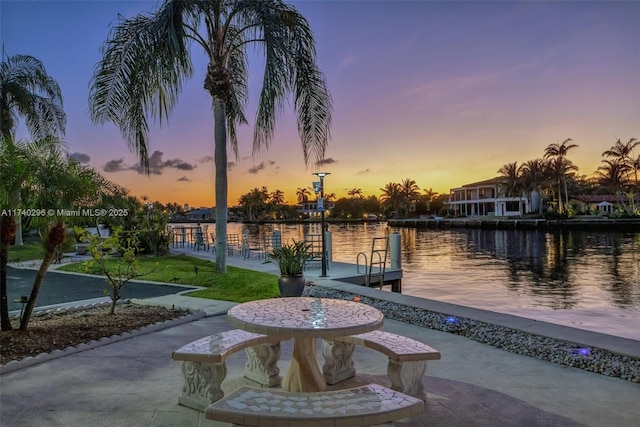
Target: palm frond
x=238, y=96
x=27, y=90
x=145, y=62
x=290, y=68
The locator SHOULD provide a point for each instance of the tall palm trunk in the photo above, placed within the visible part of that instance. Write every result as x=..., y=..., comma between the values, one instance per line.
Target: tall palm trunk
x=566, y=191
x=49, y=255
x=7, y=232
x=560, y=204
x=18, y=238
x=55, y=237
x=220, y=132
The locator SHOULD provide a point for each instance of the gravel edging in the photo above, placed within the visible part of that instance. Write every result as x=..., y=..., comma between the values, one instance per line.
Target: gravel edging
x=15, y=365
x=566, y=353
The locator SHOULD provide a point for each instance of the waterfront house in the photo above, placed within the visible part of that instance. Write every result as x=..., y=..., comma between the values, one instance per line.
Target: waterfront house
x=485, y=198
x=602, y=204
x=202, y=214
x=310, y=208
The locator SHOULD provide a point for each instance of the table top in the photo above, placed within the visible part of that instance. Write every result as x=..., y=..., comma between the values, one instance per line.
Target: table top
x=304, y=317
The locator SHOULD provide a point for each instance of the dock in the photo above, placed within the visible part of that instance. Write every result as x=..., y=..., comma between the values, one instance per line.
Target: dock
x=337, y=271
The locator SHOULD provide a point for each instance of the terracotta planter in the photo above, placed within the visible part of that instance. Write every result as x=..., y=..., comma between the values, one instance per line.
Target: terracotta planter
x=291, y=286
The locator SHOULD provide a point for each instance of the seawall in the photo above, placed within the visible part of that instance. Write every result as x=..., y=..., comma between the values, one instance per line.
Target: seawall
x=519, y=224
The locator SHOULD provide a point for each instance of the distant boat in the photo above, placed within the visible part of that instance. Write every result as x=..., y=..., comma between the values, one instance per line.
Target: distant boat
x=438, y=218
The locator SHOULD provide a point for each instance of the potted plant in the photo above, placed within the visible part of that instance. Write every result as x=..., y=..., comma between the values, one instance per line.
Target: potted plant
x=291, y=259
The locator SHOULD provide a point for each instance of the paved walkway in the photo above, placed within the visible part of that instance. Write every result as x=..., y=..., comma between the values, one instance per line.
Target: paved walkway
x=134, y=382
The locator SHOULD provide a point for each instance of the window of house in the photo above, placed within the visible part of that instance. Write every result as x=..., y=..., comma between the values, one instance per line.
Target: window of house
x=512, y=206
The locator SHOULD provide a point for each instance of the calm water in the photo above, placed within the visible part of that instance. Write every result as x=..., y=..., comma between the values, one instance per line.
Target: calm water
x=584, y=279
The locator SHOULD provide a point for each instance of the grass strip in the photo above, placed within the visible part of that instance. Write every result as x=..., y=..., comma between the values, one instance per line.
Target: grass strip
x=238, y=285
x=27, y=252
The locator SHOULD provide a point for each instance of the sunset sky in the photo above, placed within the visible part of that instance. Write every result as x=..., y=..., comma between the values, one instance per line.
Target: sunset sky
x=444, y=93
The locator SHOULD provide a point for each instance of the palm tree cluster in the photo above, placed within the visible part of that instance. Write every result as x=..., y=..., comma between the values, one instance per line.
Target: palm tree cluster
x=548, y=174
x=41, y=177
x=38, y=175
x=619, y=173
x=397, y=199
x=554, y=175
x=400, y=198
x=260, y=204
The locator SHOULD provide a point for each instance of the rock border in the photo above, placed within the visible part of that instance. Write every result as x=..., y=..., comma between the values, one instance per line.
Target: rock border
x=15, y=365
x=553, y=350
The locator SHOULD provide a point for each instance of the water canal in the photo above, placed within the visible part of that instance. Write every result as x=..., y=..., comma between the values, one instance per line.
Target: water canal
x=583, y=279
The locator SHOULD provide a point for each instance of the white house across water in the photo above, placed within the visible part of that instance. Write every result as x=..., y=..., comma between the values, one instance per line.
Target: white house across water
x=484, y=199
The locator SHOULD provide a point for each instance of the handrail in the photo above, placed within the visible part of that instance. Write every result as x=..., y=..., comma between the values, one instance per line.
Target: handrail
x=380, y=262
x=358, y=263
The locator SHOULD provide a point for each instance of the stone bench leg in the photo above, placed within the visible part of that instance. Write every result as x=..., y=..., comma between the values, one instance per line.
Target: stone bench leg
x=338, y=365
x=202, y=384
x=261, y=365
x=406, y=377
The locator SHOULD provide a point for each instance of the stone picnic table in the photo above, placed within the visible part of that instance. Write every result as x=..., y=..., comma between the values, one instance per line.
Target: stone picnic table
x=305, y=319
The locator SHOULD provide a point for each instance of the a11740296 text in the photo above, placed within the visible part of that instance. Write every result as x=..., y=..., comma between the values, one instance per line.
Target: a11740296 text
x=80, y=212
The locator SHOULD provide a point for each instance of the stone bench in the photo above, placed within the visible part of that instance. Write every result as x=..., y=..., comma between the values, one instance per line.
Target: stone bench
x=204, y=367
x=407, y=359
x=361, y=406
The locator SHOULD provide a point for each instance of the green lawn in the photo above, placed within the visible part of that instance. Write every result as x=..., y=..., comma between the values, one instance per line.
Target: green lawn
x=238, y=285
x=28, y=252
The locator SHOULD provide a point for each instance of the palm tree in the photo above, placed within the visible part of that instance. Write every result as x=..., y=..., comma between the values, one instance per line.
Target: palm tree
x=410, y=193
x=612, y=175
x=58, y=183
x=277, y=197
x=635, y=164
x=330, y=197
x=17, y=170
x=622, y=153
x=26, y=90
x=392, y=197
x=302, y=195
x=532, y=176
x=511, y=179
x=147, y=59
x=355, y=192
x=429, y=194
x=40, y=174
x=558, y=153
x=557, y=170
x=14, y=174
x=426, y=198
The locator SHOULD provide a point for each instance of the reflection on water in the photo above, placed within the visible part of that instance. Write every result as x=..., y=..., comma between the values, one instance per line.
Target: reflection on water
x=594, y=274
x=557, y=270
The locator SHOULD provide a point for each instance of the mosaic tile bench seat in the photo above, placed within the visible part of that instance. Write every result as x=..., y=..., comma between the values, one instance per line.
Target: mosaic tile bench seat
x=361, y=406
x=407, y=359
x=204, y=367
